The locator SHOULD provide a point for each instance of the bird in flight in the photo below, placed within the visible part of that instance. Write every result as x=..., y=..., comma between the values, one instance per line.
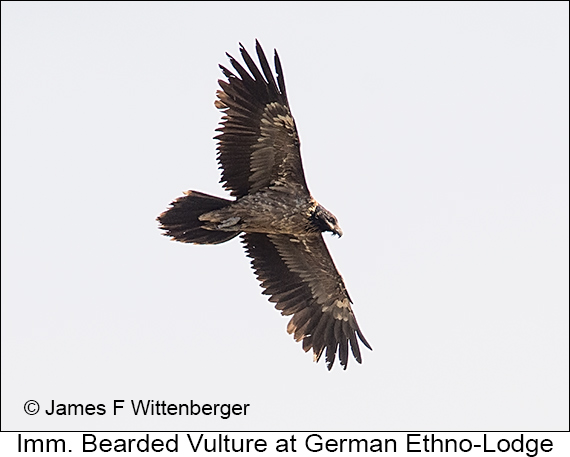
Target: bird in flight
x=280, y=223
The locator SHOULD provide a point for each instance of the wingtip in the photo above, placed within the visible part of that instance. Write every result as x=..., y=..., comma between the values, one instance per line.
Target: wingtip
x=361, y=338
x=242, y=49
x=259, y=48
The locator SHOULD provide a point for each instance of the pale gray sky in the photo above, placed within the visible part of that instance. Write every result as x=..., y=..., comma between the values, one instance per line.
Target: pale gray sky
x=437, y=133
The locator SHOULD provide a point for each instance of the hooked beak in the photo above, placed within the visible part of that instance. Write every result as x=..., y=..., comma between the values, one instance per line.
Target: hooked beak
x=337, y=231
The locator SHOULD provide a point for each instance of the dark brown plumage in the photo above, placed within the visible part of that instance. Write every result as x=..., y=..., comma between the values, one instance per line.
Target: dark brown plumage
x=280, y=222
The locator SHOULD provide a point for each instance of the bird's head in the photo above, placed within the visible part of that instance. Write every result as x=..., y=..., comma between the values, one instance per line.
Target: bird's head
x=325, y=221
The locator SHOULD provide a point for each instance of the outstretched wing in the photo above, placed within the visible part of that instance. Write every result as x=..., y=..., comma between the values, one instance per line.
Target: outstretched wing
x=259, y=145
x=299, y=275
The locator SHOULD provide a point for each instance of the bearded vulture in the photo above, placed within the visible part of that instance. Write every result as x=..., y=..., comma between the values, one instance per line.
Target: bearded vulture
x=280, y=223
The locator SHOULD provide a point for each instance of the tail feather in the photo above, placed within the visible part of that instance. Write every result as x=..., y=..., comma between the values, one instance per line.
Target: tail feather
x=181, y=222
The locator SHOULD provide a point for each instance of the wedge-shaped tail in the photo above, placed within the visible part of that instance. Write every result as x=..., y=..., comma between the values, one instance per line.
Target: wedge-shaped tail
x=181, y=222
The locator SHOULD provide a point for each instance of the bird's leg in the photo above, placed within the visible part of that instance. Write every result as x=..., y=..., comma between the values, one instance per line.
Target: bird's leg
x=220, y=220
x=228, y=223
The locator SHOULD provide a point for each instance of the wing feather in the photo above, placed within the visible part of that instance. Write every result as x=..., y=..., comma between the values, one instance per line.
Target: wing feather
x=266, y=69
x=258, y=146
x=280, y=76
x=301, y=278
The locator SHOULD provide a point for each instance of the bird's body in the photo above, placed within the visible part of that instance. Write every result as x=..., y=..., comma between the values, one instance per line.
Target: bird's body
x=266, y=211
x=274, y=212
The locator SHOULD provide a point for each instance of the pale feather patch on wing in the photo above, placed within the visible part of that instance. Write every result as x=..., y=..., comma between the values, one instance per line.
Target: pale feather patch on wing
x=275, y=159
x=340, y=309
